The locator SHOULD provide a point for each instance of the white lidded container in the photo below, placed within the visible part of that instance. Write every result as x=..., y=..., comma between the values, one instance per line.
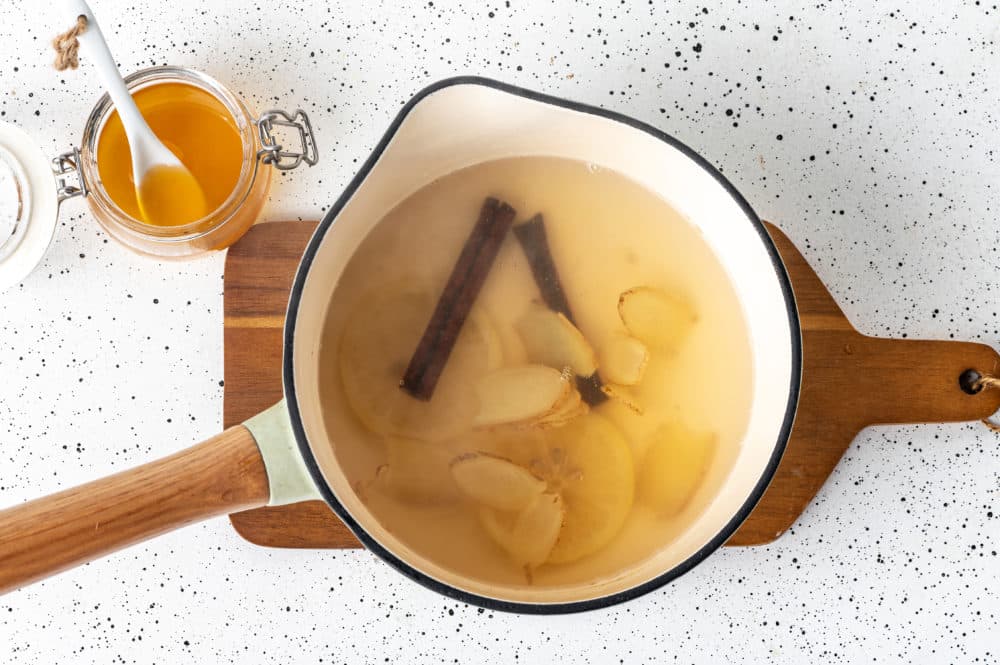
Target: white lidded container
x=29, y=204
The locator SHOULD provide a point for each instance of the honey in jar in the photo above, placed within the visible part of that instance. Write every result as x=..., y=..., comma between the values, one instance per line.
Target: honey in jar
x=195, y=126
x=230, y=150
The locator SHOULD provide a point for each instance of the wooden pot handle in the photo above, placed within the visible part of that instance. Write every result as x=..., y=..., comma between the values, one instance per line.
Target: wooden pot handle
x=221, y=475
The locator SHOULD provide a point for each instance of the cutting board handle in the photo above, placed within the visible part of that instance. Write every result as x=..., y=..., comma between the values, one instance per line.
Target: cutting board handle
x=911, y=381
x=220, y=475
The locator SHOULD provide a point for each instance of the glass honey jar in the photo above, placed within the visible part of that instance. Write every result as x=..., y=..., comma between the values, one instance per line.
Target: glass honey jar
x=210, y=129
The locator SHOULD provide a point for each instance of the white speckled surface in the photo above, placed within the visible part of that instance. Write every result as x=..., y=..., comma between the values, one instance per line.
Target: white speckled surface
x=867, y=132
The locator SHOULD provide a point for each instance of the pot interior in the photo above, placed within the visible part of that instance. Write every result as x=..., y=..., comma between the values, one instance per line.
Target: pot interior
x=468, y=122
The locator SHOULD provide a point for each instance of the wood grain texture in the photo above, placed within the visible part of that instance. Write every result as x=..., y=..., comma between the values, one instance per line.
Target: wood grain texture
x=849, y=381
x=42, y=537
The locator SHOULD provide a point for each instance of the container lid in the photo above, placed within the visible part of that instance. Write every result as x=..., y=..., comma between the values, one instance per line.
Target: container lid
x=29, y=205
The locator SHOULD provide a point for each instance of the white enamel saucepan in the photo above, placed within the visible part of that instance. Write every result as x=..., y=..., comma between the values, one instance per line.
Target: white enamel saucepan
x=286, y=453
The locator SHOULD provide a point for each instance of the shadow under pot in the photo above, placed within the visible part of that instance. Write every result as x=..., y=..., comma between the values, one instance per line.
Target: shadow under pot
x=229, y=149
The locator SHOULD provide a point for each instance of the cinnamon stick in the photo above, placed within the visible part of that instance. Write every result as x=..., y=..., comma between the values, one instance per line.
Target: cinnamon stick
x=455, y=303
x=535, y=243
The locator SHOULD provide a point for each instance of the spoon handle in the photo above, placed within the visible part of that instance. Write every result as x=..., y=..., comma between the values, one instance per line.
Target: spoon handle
x=99, y=53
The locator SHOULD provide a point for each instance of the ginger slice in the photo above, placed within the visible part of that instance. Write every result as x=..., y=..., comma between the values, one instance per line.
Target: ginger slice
x=551, y=339
x=673, y=467
x=623, y=360
x=495, y=482
x=519, y=395
x=656, y=318
x=572, y=407
x=529, y=536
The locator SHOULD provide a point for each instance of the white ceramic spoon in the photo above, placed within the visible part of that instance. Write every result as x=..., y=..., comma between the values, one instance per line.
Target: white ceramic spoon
x=168, y=194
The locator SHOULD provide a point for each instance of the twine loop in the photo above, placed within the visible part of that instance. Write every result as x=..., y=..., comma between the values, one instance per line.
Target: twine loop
x=67, y=45
x=985, y=382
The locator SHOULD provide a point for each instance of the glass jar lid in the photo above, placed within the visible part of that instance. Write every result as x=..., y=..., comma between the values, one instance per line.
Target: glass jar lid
x=29, y=205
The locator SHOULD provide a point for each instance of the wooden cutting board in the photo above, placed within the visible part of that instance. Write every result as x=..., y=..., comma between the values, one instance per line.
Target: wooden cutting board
x=849, y=381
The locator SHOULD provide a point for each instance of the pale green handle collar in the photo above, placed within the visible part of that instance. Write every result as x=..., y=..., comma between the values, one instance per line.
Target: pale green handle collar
x=287, y=475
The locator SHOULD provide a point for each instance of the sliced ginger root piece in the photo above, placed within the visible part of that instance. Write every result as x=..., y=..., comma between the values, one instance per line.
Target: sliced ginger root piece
x=519, y=395
x=529, y=535
x=571, y=407
x=656, y=318
x=623, y=360
x=495, y=482
x=673, y=467
x=551, y=339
